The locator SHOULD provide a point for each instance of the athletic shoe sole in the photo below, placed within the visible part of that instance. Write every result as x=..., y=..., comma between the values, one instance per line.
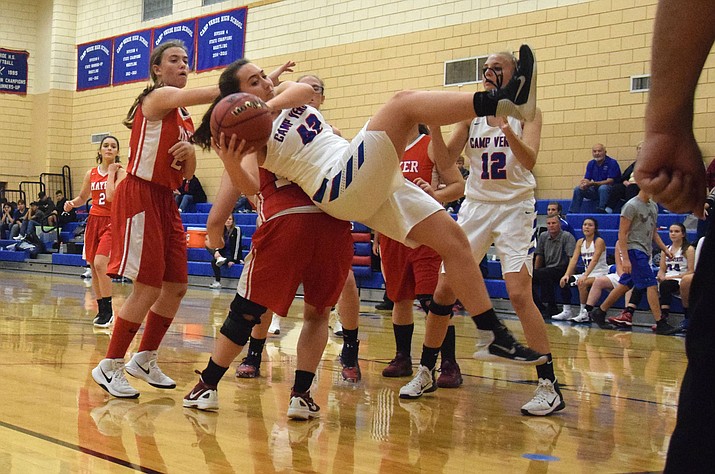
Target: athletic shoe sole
x=486, y=356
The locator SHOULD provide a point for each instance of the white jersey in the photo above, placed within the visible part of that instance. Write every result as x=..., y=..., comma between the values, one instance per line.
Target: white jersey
x=676, y=266
x=348, y=180
x=495, y=173
x=587, y=253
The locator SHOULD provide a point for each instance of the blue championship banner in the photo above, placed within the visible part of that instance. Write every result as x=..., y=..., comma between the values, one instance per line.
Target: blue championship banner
x=221, y=39
x=94, y=64
x=13, y=71
x=131, y=57
x=185, y=31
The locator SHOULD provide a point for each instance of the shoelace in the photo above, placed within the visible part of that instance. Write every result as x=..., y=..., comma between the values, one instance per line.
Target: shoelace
x=417, y=381
x=544, y=392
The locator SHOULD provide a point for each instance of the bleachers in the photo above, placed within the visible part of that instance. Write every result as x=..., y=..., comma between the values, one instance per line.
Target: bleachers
x=200, y=260
x=608, y=229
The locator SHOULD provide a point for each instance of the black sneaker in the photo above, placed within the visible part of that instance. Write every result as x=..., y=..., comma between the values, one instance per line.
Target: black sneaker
x=103, y=320
x=384, y=306
x=665, y=329
x=497, y=345
x=518, y=98
x=598, y=316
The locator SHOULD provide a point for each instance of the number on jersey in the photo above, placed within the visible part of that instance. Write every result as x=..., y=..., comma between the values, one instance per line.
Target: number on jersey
x=494, y=167
x=308, y=134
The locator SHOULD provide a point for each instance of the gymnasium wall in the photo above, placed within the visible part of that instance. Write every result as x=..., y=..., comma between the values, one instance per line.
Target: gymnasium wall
x=365, y=51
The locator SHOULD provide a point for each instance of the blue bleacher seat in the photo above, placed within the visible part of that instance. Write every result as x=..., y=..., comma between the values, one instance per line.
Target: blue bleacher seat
x=204, y=269
x=358, y=227
x=204, y=207
x=71, y=259
x=245, y=218
x=496, y=288
x=14, y=255
x=198, y=255
x=494, y=267
x=369, y=280
x=363, y=248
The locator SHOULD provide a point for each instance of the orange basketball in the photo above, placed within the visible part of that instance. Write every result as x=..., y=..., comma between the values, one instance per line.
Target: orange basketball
x=243, y=115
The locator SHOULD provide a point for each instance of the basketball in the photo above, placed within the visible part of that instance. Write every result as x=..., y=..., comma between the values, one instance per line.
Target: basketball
x=243, y=115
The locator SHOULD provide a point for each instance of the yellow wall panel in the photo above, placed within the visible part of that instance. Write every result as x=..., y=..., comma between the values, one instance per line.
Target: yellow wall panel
x=587, y=51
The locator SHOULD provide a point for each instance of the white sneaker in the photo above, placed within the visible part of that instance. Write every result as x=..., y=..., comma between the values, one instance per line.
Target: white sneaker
x=423, y=382
x=581, y=317
x=215, y=285
x=202, y=397
x=143, y=366
x=87, y=274
x=338, y=327
x=221, y=261
x=302, y=406
x=564, y=315
x=109, y=375
x=275, y=327
x=334, y=322
x=547, y=399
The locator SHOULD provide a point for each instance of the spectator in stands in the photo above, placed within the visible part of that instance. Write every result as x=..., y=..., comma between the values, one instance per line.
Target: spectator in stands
x=230, y=254
x=190, y=192
x=555, y=208
x=625, y=187
x=673, y=268
x=592, y=251
x=58, y=216
x=6, y=220
x=601, y=172
x=45, y=204
x=19, y=217
x=33, y=218
x=553, y=252
x=243, y=204
x=636, y=232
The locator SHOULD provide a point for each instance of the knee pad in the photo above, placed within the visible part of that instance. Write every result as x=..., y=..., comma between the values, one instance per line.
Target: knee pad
x=440, y=309
x=244, y=314
x=247, y=309
x=425, y=301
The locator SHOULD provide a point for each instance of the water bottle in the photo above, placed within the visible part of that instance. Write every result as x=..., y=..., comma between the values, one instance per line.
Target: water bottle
x=63, y=247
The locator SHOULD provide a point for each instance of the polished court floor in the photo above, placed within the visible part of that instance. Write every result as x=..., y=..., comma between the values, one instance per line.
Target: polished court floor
x=621, y=392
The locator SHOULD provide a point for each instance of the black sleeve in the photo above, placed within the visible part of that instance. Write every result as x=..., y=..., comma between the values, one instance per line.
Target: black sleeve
x=628, y=172
x=196, y=190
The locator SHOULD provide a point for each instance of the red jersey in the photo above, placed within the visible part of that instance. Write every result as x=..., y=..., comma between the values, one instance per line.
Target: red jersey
x=149, y=157
x=278, y=195
x=415, y=162
x=98, y=183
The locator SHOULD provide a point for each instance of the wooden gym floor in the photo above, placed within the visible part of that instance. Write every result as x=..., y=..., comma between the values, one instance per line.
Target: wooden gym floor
x=621, y=391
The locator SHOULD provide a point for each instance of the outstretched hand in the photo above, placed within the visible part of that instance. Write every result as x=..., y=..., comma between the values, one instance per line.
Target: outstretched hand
x=274, y=76
x=670, y=167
